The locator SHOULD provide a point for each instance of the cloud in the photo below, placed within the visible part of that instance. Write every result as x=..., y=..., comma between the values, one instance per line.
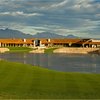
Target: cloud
x=20, y=13
x=63, y=3
x=81, y=17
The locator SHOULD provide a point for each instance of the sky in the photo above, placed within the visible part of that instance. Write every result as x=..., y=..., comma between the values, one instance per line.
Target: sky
x=77, y=17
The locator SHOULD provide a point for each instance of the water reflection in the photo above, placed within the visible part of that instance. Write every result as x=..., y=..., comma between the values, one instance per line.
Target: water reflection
x=60, y=62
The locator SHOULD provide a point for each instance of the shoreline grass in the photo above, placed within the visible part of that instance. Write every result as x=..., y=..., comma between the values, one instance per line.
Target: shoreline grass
x=49, y=50
x=19, y=49
x=21, y=81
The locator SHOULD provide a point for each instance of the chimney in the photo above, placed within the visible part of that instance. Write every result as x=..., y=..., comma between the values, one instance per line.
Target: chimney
x=24, y=40
x=48, y=40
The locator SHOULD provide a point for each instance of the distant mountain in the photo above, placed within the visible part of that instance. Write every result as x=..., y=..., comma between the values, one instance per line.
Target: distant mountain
x=52, y=35
x=9, y=33
x=71, y=36
x=47, y=35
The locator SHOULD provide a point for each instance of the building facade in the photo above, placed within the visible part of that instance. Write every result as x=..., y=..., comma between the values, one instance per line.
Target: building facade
x=49, y=42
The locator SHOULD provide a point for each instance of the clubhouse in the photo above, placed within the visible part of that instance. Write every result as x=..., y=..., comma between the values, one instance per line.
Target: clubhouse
x=34, y=42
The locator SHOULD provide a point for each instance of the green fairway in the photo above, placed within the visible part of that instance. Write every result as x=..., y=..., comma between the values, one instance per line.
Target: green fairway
x=19, y=49
x=20, y=81
x=49, y=50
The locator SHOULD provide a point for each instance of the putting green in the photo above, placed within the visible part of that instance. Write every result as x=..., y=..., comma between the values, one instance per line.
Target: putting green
x=19, y=49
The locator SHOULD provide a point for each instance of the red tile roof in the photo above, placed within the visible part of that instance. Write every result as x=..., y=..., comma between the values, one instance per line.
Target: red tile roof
x=16, y=41
x=45, y=41
x=61, y=40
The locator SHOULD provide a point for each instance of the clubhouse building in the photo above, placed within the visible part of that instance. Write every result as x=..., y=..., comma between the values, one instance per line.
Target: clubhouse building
x=34, y=42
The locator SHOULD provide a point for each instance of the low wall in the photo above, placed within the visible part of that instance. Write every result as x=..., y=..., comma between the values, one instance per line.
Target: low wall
x=2, y=50
x=37, y=51
x=76, y=50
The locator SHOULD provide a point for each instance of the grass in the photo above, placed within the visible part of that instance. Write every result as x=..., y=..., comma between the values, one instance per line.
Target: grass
x=19, y=81
x=27, y=49
x=49, y=50
x=19, y=49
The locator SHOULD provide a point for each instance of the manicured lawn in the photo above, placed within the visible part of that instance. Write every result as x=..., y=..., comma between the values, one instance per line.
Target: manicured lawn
x=19, y=49
x=49, y=50
x=19, y=81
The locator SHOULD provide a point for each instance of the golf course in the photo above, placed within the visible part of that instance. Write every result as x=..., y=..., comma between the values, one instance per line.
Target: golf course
x=19, y=49
x=22, y=81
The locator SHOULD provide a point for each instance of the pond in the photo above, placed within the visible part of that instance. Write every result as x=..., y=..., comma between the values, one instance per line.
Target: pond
x=89, y=63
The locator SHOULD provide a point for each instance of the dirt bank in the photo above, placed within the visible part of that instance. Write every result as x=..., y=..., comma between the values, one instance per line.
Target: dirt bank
x=2, y=50
x=76, y=50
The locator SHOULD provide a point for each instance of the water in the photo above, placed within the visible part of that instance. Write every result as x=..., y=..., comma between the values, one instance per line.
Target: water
x=89, y=63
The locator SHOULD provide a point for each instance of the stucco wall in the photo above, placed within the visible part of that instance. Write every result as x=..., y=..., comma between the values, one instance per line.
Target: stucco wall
x=2, y=50
x=76, y=50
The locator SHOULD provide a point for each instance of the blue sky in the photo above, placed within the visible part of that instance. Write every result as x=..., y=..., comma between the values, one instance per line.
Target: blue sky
x=77, y=17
